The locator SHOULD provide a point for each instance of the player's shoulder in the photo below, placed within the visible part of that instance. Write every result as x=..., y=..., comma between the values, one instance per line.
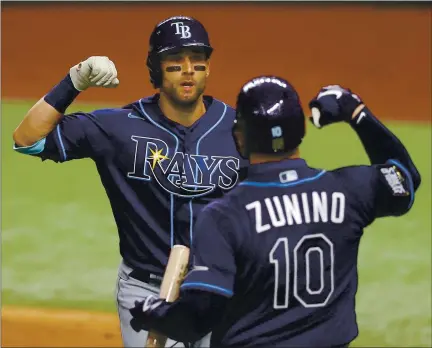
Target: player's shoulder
x=226, y=111
x=357, y=181
x=111, y=112
x=391, y=174
x=227, y=215
x=226, y=206
x=100, y=115
x=144, y=109
x=142, y=103
x=360, y=173
x=211, y=100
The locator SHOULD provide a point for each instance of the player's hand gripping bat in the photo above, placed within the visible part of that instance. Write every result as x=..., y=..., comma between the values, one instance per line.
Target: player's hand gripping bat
x=174, y=273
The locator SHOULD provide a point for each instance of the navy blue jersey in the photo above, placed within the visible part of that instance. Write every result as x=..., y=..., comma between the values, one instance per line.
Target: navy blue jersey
x=283, y=247
x=157, y=173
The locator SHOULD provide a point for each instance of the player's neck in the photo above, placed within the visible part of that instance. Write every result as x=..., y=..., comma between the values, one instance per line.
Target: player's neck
x=185, y=115
x=260, y=158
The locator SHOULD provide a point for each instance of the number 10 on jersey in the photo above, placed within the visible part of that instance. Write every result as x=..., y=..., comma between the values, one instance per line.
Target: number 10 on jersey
x=302, y=267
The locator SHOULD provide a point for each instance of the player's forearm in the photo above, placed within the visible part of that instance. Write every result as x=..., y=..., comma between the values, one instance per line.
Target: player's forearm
x=45, y=114
x=380, y=143
x=37, y=124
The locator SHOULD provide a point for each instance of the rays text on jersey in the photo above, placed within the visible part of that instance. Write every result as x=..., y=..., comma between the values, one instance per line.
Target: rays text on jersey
x=180, y=173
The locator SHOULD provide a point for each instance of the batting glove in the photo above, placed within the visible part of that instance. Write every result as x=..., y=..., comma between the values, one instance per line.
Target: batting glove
x=94, y=72
x=143, y=312
x=333, y=104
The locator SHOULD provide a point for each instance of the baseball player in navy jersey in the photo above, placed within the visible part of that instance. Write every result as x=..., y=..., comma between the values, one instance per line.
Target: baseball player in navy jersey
x=161, y=159
x=276, y=258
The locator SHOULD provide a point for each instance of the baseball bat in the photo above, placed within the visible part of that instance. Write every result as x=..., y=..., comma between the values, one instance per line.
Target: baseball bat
x=174, y=273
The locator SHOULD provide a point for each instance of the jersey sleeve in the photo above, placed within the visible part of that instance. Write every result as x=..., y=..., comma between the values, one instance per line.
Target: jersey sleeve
x=78, y=135
x=213, y=260
x=380, y=190
x=395, y=191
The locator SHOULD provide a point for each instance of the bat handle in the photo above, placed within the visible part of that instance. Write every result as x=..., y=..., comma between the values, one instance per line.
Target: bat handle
x=155, y=340
x=170, y=287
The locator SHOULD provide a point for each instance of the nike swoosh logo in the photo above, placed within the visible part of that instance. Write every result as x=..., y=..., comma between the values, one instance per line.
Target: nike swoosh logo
x=200, y=268
x=130, y=115
x=362, y=115
x=335, y=92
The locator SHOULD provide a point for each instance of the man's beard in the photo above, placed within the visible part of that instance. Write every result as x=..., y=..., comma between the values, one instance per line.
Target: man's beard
x=177, y=99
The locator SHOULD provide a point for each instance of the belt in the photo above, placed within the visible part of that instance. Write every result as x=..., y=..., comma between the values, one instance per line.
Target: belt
x=146, y=277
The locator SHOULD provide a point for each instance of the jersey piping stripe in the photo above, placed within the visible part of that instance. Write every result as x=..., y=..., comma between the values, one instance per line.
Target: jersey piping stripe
x=171, y=195
x=206, y=286
x=61, y=143
x=190, y=221
x=208, y=132
x=196, y=171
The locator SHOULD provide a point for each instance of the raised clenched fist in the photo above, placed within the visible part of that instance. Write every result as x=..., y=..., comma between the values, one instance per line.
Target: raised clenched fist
x=333, y=104
x=95, y=71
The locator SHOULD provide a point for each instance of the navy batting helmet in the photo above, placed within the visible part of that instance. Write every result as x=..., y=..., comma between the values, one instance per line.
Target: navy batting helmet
x=172, y=34
x=271, y=116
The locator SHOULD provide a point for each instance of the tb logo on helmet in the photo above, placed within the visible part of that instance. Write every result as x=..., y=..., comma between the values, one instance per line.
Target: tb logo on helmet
x=182, y=30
